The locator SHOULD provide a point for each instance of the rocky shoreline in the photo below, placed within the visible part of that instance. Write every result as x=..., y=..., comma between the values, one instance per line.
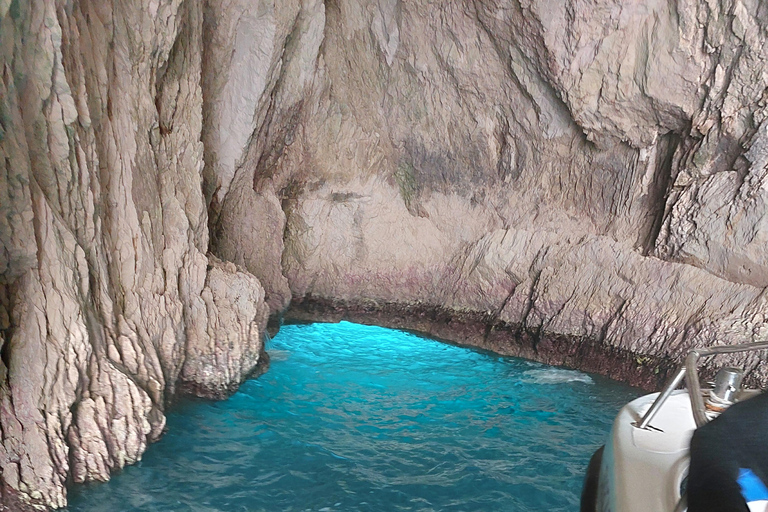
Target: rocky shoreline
x=478, y=330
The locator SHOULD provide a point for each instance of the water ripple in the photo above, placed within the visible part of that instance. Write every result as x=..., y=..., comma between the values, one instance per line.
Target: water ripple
x=356, y=418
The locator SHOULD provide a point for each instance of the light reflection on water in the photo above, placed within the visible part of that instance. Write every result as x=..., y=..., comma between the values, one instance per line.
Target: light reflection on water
x=360, y=418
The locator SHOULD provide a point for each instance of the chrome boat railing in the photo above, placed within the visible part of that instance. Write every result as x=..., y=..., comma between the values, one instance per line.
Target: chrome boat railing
x=688, y=371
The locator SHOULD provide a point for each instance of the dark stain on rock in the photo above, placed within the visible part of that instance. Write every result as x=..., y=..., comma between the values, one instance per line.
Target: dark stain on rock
x=344, y=197
x=447, y=171
x=277, y=135
x=483, y=331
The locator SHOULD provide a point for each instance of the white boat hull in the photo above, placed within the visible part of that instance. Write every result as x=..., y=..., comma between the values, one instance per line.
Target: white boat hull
x=643, y=470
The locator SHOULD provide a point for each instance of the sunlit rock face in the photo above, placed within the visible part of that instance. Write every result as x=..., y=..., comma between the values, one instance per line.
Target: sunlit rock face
x=574, y=174
x=109, y=303
x=589, y=169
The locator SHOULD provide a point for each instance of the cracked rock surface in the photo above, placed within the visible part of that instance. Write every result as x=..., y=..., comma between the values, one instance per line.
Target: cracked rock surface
x=576, y=173
x=109, y=301
x=587, y=169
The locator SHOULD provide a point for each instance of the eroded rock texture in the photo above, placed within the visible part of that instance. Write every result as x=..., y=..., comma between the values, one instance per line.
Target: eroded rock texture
x=580, y=182
x=108, y=301
x=589, y=169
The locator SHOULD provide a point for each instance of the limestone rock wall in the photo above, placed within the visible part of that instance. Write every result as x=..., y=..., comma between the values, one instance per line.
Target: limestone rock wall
x=174, y=171
x=590, y=169
x=109, y=304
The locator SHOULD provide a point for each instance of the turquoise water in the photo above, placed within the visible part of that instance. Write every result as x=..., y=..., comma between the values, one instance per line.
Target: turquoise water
x=358, y=418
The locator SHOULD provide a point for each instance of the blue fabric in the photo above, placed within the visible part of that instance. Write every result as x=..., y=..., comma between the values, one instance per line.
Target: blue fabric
x=752, y=488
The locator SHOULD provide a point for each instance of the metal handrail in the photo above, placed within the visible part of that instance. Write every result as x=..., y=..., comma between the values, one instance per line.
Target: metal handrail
x=688, y=371
x=665, y=392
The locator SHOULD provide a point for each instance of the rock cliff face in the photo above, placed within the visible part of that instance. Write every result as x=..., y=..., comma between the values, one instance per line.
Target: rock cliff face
x=581, y=182
x=109, y=304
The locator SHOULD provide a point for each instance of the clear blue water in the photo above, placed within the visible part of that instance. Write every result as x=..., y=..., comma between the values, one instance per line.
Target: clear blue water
x=359, y=418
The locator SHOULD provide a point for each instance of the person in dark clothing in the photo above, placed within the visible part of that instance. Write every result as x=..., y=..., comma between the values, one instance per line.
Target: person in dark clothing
x=729, y=460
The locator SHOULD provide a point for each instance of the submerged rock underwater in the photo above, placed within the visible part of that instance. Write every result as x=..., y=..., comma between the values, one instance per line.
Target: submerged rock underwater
x=580, y=182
